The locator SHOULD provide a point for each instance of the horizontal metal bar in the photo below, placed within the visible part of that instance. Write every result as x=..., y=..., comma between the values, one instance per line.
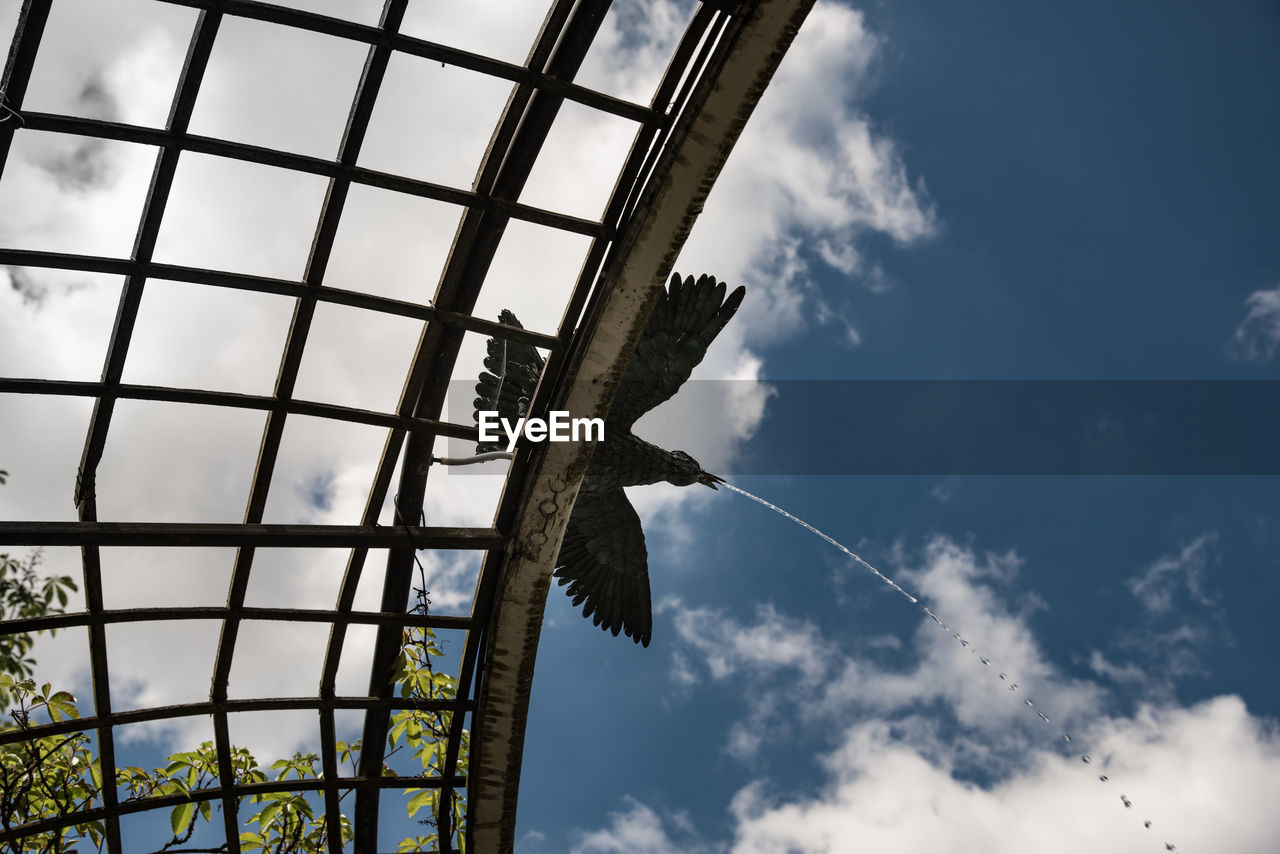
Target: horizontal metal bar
x=284, y=287
x=220, y=612
x=99, y=129
x=212, y=535
x=209, y=707
x=244, y=790
x=489, y=66
x=81, y=388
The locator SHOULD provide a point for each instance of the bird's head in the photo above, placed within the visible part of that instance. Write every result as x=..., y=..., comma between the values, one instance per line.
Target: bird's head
x=687, y=471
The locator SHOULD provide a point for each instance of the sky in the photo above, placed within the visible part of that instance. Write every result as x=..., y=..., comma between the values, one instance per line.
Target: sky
x=927, y=191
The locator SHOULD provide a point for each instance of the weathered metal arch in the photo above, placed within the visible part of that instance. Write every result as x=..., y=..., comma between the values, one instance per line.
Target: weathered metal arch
x=742, y=66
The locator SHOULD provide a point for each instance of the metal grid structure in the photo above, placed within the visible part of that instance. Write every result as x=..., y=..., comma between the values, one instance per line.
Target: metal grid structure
x=604, y=312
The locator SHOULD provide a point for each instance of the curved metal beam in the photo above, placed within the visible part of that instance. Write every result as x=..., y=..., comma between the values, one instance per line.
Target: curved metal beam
x=744, y=63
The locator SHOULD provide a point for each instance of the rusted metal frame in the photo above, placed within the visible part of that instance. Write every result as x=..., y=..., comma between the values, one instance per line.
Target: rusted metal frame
x=418, y=369
x=515, y=146
x=208, y=707
x=236, y=400
x=244, y=535
x=472, y=667
x=114, y=616
x=32, y=19
x=704, y=43
x=418, y=373
x=525, y=75
x=740, y=68
x=194, y=65
x=565, y=64
x=282, y=287
x=634, y=169
x=303, y=164
x=217, y=792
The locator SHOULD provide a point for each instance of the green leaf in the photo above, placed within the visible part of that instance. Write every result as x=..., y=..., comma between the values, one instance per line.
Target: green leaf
x=181, y=817
x=420, y=800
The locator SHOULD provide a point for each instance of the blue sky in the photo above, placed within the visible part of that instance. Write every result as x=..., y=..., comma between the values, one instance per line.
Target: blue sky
x=928, y=191
x=1104, y=202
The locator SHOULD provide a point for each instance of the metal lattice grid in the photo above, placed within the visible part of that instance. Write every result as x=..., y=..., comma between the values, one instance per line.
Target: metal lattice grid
x=714, y=75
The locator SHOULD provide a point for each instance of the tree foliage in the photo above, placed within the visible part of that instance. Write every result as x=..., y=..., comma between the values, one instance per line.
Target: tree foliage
x=59, y=776
x=26, y=594
x=46, y=780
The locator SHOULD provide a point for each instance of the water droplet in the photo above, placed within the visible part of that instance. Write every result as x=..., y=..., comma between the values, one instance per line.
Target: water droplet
x=1066, y=739
x=963, y=642
x=1168, y=847
x=986, y=661
x=1044, y=717
x=1104, y=778
x=1002, y=676
x=1028, y=702
x=1086, y=759
x=1127, y=803
x=1013, y=687
x=1147, y=824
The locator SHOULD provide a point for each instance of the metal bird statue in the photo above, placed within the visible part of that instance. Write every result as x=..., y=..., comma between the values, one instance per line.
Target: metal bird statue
x=602, y=558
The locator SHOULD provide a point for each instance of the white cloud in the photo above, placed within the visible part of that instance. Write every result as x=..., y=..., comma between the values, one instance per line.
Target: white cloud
x=1179, y=621
x=1258, y=335
x=935, y=754
x=1157, y=585
x=959, y=586
x=816, y=174
x=640, y=830
x=772, y=642
x=1204, y=776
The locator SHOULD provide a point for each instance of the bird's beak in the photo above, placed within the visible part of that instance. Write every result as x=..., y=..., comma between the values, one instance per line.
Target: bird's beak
x=708, y=479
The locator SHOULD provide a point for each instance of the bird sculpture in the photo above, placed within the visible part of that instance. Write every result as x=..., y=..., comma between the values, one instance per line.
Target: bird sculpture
x=603, y=561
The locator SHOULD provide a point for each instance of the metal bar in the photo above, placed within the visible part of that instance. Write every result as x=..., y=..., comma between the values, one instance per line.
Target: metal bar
x=194, y=66
x=274, y=704
x=30, y=625
x=75, y=388
x=100, y=129
x=90, y=533
x=304, y=311
x=709, y=26
x=516, y=143
x=217, y=792
x=627, y=184
x=283, y=287
x=727, y=91
x=528, y=75
x=32, y=19
x=471, y=668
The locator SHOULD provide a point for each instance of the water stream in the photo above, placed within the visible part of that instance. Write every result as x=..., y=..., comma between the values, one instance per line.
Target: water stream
x=1011, y=685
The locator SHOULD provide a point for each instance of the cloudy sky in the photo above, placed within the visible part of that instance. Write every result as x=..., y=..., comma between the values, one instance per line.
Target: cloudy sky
x=926, y=192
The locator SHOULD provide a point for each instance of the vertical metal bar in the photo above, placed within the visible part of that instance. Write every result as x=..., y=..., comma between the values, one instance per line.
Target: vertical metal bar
x=471, y=672
x=506, y=167
x=32, y=19
x=304, y=311
x=130, y=297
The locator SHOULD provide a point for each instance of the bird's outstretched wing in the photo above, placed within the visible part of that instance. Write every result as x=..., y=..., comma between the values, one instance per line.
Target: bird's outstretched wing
x=604, y=563
x=508, y=384
x=687, y=318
